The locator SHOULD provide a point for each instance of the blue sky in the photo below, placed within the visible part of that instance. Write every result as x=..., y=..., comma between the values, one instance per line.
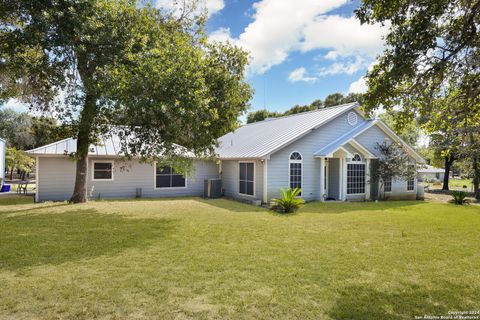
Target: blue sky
x=300, y=50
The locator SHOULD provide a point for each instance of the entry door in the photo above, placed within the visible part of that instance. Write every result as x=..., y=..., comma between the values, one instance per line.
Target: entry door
x=325, y=177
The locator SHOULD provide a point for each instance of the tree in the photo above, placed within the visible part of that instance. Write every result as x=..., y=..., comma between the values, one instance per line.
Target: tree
x=18, y=160
x=98, y=63
x=299, y=109
x=432, y=55
x=334, y=99
x=392, y=164
x=15, y=128
x=261, y=115
x=409, y=132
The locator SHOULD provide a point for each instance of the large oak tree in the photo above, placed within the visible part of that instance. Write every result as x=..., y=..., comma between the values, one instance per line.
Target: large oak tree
x=105, y=64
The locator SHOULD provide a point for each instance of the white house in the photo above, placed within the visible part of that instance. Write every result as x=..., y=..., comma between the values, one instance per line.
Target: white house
x=431, y=174
x=326, y=152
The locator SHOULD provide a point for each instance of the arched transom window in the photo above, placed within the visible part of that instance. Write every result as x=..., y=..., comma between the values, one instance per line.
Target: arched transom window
x=356, y=157
x=295, y=170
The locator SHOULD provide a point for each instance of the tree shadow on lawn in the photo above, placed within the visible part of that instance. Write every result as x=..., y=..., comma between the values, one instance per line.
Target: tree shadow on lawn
x=361, y=302
x=231, y=205
x=55, y=238
x=345, y=207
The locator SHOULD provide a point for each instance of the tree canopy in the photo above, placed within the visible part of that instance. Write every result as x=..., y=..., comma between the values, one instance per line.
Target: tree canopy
x=102, y=63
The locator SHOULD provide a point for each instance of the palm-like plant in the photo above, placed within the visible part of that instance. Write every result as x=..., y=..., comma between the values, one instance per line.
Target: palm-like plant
x=289, y=201
x=459, y=197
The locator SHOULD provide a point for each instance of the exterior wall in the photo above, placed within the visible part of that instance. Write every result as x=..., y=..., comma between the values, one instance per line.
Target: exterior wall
x=57, y=177
x=278, y=164
x=369, y=139
x=231, y=174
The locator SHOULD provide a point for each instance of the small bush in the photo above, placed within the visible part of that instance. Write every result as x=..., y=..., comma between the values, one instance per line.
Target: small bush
x=288, y=202
x=459, y=197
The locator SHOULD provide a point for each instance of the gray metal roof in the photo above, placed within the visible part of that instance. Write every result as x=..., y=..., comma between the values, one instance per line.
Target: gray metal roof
x=108, y=146
x=431, y=169
x=260, y=139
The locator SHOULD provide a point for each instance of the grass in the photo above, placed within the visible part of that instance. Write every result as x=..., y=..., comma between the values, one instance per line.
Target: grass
x=189, y=258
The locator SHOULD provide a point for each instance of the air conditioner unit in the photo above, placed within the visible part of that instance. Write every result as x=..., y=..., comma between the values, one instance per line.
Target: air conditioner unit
x=212, y=188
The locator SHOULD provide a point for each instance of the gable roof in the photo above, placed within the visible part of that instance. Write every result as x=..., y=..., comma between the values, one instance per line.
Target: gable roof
x=110, y=145
x=260, y=139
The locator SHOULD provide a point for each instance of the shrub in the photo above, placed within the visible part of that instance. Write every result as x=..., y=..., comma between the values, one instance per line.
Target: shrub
x=459, y=197
x=288, y=202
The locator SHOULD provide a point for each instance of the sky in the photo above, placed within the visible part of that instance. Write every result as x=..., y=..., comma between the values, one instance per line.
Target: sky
x=300, y=50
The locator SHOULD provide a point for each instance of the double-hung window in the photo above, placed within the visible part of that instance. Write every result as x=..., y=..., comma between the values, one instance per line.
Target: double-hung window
x=103, y=170
x=246, y=178
x=411, y=179
x=167, y=177
x=356, y=176
x=387, y=185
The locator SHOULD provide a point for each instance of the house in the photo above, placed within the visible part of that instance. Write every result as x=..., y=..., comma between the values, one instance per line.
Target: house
x=326, y=152
x=431, y=174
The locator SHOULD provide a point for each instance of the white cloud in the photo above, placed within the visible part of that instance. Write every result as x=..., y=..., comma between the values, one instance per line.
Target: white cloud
x=282, y=27
x=212, y=6
x=222, y=35
x=15, y=105
x=359, y=86
x=300, y=74
x=348, y=67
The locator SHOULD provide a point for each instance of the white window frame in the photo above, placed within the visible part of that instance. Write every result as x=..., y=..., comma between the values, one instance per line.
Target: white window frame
x=362, y=162
x=102, y=161
x=254, y=176
x=165, y=188
x=414, y=183
x=290, y=161
x=391, y=186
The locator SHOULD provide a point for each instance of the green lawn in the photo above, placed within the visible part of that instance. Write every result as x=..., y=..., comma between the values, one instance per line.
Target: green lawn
x=189, y=258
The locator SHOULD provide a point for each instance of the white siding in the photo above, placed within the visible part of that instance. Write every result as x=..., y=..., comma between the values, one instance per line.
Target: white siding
x=230, y=177
x=2, y=162
x=278, y=168
x=57, y=178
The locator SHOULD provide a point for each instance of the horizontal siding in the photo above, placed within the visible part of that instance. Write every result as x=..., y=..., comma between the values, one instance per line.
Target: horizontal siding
x=57, y=177
x=278, y=165
x=369, y=140
x=230, y=177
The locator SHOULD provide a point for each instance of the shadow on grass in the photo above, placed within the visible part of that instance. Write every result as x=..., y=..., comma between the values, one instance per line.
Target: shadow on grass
x=344, y=207
x=231, y=205
x=360, y=302
x=14, y=199
x=40, y=239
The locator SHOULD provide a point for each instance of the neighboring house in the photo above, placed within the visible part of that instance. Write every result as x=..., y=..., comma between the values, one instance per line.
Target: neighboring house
x=431, y=174
x=326, y=152
x=2, y=161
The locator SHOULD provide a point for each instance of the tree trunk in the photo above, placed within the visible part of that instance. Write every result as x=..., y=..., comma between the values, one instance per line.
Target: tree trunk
x=87, y=117
x=448, y=164
x=476, y=178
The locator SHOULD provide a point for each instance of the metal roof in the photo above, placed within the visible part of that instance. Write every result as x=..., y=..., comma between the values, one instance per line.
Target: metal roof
x=431, y=169
x=108, y=146
x=260, y=139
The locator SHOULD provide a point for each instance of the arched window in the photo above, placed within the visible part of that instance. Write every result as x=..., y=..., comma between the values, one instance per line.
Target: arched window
x=356, y=175
x=295, y=170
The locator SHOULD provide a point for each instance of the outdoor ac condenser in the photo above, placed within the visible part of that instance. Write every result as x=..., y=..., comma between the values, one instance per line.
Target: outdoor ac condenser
x=212, y=188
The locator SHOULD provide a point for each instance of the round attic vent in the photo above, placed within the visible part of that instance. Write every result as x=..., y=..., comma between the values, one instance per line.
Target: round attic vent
x=352, y=118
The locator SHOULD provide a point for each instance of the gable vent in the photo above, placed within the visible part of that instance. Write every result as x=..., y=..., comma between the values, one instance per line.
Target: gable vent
x=352, y=118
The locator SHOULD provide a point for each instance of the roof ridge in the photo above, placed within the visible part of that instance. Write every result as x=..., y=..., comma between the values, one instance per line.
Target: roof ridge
x=300, y=113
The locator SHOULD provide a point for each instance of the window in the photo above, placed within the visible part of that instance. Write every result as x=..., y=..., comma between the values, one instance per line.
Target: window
x=356, y=157
x=167, y=177
x=295, y=171
x=355, y=178
x=103, y=170
x=411, y=184
x=387, y=185
x=246, y=179
x=411, y=180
